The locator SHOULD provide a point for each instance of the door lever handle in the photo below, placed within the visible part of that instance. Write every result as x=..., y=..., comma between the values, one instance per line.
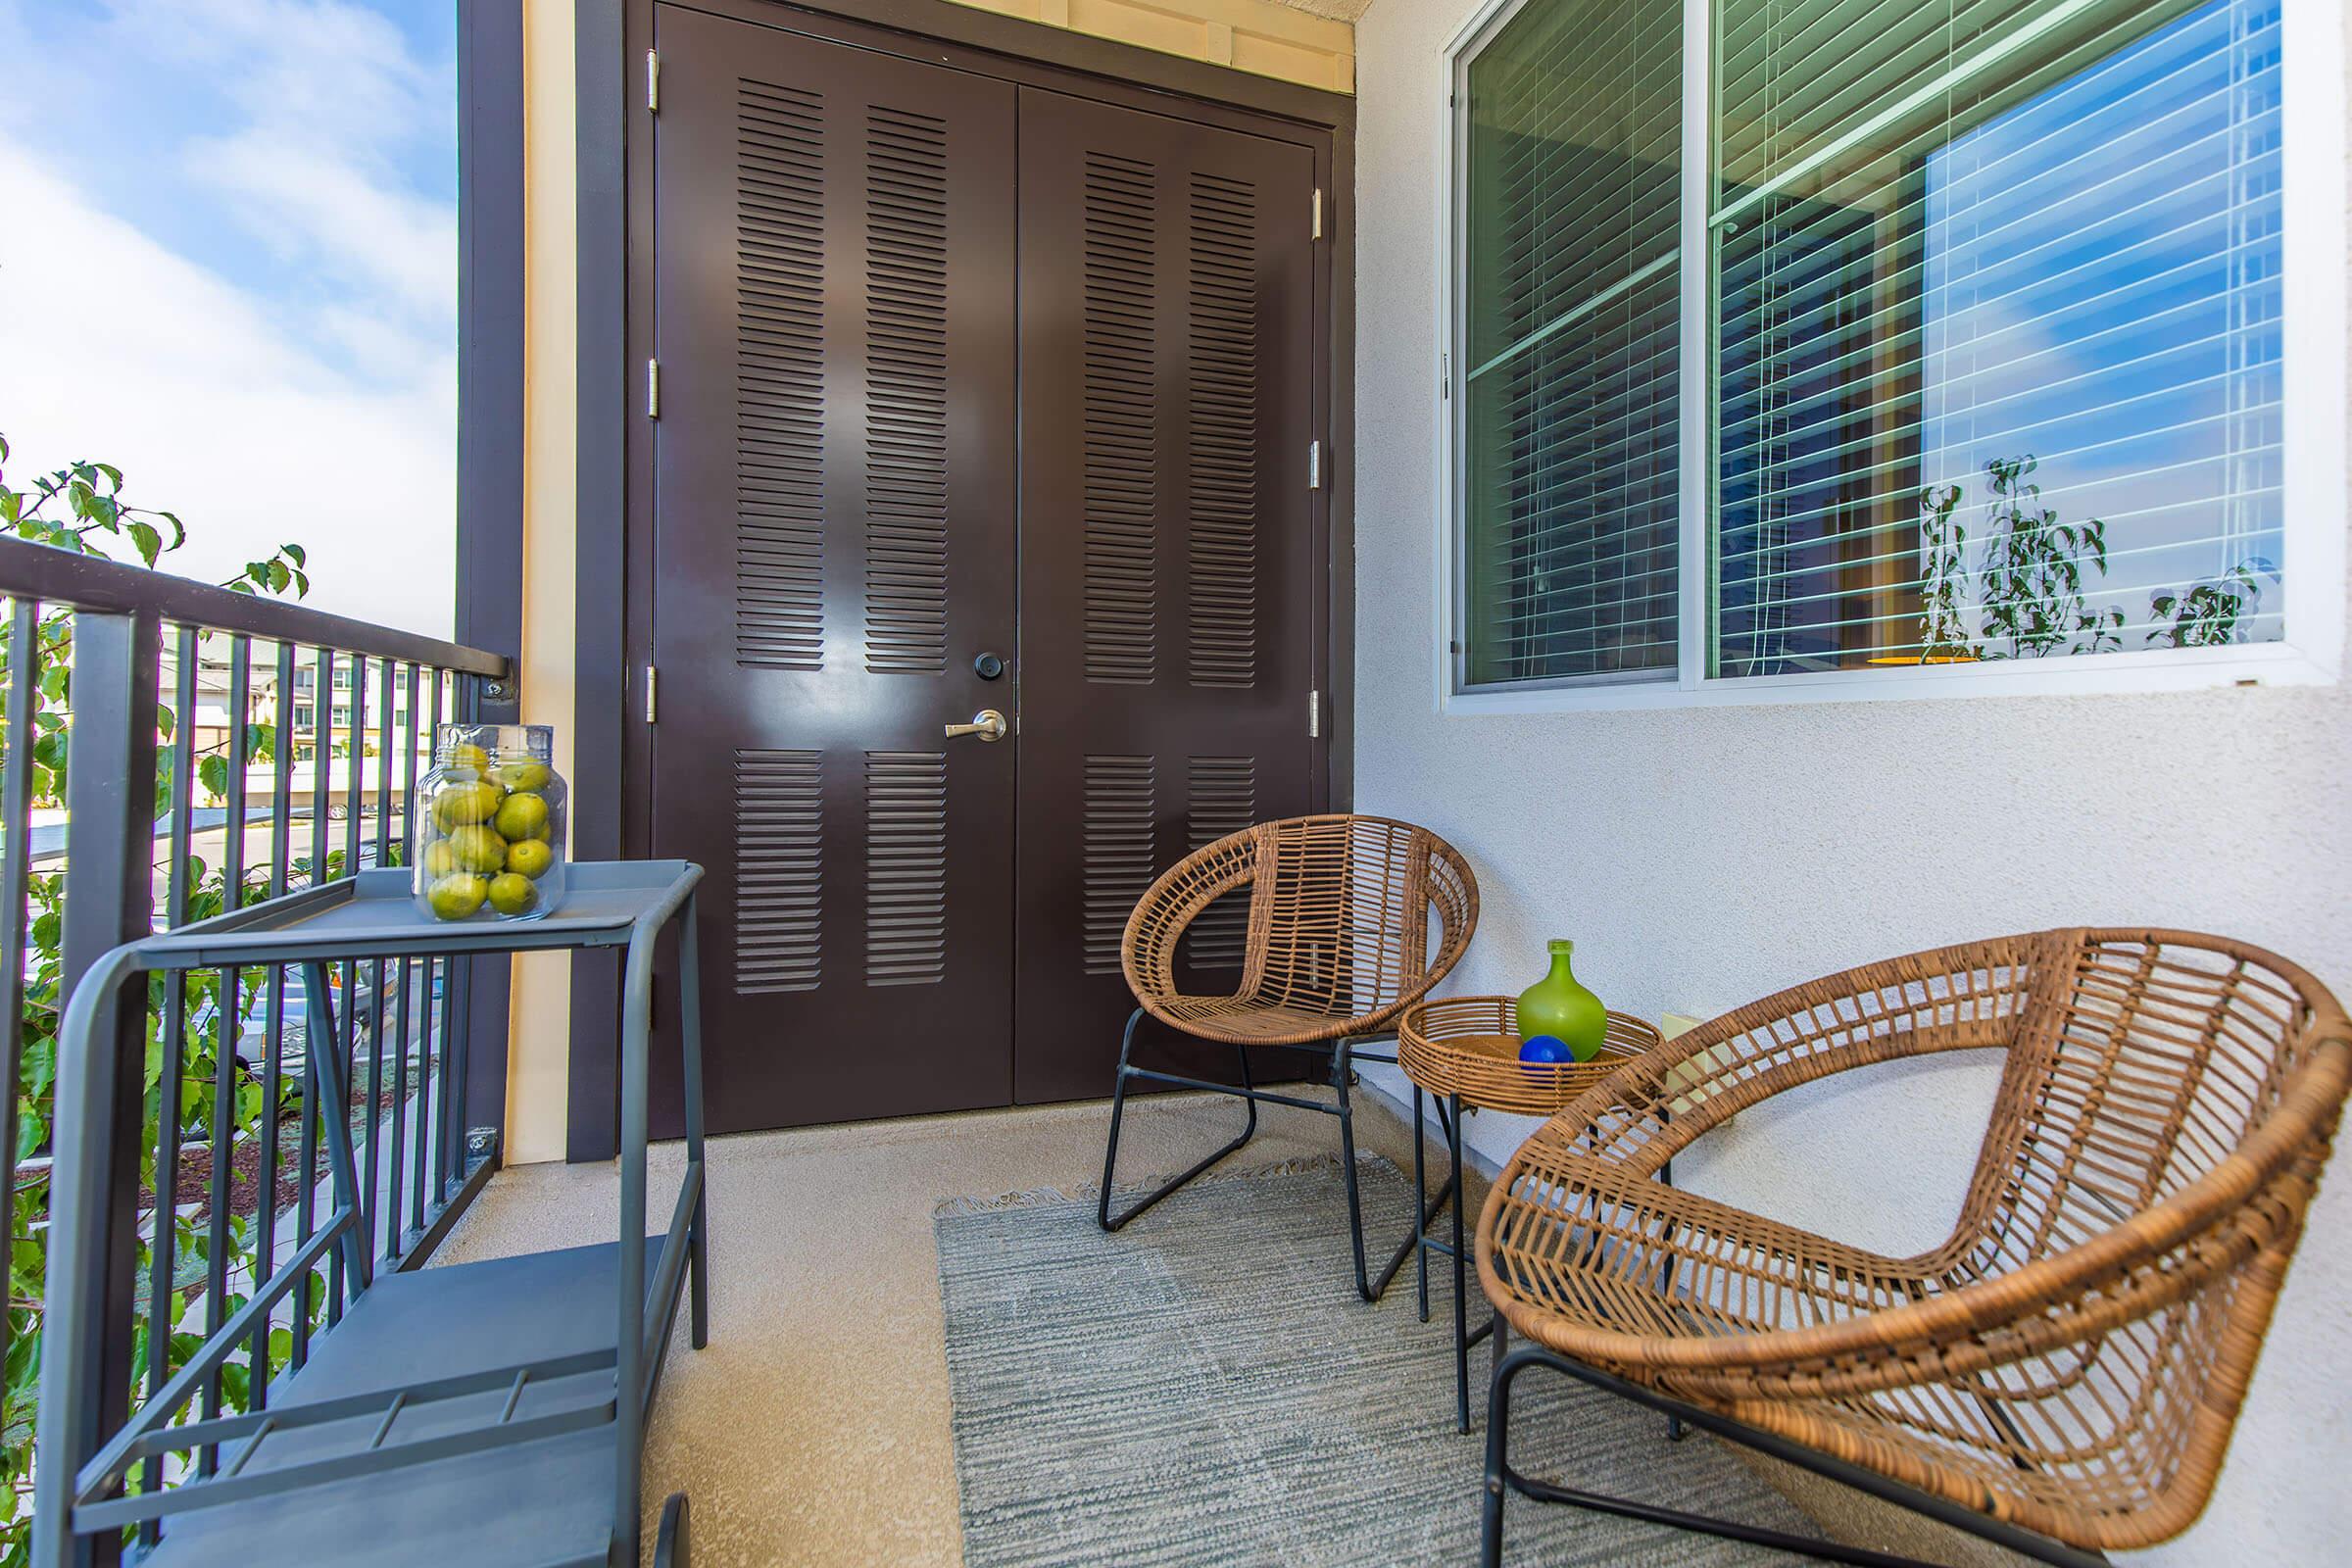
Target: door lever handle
x=988, y=725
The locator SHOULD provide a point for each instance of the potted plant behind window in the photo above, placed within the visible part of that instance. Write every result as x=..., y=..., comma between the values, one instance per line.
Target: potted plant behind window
x=2031, y=585
x=2206, y=613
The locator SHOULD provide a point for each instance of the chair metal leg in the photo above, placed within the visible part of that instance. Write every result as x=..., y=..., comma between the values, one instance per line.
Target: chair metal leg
x=1420, y=1198
x=1501, y=1479
x=1340, y=1074
x=1498, y=1425
x=1461, y=1281
x=1118, y=1108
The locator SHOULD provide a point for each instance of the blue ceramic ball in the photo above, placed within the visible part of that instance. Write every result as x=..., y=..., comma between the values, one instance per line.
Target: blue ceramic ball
x=1547, y=1048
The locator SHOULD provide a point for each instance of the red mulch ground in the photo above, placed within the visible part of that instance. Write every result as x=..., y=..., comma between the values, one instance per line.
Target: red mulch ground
x=195, y=1182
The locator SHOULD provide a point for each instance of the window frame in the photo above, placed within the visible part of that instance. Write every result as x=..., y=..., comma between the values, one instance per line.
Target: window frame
x=2313, y=369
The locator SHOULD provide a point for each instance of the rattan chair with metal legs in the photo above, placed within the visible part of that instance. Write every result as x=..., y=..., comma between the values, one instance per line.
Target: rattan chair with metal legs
x=2062, y=1375
x=1352, y=919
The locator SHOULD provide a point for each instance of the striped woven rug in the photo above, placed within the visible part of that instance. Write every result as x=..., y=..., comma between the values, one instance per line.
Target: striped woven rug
x=1204, y=1388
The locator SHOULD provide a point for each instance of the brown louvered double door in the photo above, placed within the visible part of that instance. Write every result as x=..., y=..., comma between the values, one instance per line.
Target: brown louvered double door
x=953, y=366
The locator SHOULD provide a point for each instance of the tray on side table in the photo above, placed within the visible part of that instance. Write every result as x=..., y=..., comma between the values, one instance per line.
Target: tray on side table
x=1469, y=1045
x=477, y=1413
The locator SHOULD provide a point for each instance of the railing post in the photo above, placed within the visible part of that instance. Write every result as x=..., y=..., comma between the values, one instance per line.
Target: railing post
x=15, y=864
x=481, y=1043
x=490, y=477
x=110, y=899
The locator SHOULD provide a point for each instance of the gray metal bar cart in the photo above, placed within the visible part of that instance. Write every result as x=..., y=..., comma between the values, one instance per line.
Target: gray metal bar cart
x=479, y=1413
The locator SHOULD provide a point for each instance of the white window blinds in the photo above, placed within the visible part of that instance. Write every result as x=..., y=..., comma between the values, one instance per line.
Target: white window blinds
x=1997, y=330
x=1572, y=126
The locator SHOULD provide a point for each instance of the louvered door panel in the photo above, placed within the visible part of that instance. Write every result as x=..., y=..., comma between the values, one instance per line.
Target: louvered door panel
x=1121, y=811
x=779, y=870
x=1221, y=424
x=779, y=403
x=1170, y=612
x=1117, y=457
x=906, y=868
x=1220, y=799
x=833, y=539
x=907, y=393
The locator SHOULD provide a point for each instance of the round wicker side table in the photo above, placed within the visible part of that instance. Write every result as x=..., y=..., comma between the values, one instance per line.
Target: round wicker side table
x=1464, y=1050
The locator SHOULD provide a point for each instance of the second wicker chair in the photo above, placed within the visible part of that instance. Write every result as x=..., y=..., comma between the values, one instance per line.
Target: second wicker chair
x=2062, y=1374
x=1352, y=919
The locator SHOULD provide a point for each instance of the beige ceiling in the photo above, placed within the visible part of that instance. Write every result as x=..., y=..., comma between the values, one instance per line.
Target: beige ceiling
x=1337, y=9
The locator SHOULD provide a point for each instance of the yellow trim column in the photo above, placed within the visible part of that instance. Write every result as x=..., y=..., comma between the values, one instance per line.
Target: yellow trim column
x=539, y=1026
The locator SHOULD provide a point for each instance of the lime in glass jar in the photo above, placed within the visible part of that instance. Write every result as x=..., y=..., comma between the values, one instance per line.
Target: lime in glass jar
x=489, y=833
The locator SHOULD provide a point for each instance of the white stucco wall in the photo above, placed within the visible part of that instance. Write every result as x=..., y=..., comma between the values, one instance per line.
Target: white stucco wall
x=1705, y=857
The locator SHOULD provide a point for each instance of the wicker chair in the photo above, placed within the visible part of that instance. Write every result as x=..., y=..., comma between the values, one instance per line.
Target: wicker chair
x=1341, y=941
x=2062, y=1375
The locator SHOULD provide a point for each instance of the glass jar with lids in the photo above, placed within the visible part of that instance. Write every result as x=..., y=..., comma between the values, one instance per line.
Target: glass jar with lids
x=490, y=825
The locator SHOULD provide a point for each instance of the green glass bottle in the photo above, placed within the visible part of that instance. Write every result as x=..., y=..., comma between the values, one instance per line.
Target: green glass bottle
x=1558, y=1004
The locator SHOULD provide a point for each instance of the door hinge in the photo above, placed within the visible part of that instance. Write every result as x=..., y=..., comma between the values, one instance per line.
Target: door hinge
x=1444, y=376
x=1314, y=465
x=1317, y=230
x=653, y=80
x=653, y=389
x=1314, y=715
x=649, y=694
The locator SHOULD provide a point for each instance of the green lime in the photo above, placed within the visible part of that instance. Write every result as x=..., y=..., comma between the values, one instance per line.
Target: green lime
x=439, y=859
x=529, y=857
x=467, y=755
x=457, y=805
x=524, y=778
x=522, y=816
x=511, y=893
x=455, y=897
x=480, y=850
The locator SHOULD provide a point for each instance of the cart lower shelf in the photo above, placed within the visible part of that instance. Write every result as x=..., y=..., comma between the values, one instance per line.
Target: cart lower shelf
x=542, y=1502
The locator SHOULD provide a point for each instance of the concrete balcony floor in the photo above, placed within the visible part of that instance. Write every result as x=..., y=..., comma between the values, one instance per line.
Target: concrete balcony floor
x=815, y=1427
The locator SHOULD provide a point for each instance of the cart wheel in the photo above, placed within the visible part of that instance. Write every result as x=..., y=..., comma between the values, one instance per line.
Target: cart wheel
x=672, y=1546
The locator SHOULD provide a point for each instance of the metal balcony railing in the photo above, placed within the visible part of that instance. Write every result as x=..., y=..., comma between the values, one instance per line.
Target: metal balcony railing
x=291, y=754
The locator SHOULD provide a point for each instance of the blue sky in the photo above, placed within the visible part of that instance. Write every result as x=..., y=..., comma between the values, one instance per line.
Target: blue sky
x=229, y=265
x=2103, y=290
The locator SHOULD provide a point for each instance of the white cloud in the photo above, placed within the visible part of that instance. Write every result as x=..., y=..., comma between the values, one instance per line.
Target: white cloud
x=332, y=73
x=309, y=396
x=220, y=406
x=310, y=204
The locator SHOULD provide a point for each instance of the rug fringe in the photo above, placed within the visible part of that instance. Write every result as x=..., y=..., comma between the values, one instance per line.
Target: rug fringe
x=1088, y=1191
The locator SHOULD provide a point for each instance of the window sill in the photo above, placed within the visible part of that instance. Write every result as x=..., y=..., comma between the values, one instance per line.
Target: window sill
x=2155, y=671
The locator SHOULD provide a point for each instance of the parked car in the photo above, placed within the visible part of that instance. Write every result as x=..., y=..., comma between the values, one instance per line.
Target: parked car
x=424, y=1004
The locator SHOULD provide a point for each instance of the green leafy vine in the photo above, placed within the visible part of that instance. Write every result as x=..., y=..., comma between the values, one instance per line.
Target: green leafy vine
x=80, y=508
